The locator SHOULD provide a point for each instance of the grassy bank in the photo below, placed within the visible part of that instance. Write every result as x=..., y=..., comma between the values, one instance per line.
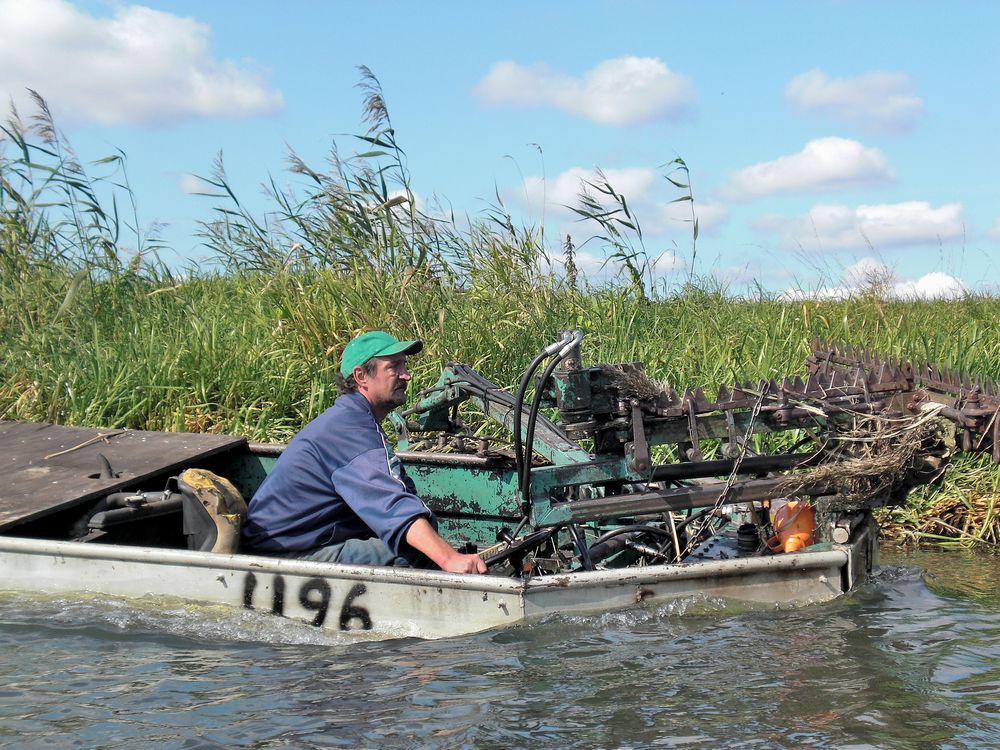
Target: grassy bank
x=98, y=332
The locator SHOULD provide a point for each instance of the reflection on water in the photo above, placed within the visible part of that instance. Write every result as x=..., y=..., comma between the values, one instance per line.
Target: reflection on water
x=963, y=574
x=902, y=663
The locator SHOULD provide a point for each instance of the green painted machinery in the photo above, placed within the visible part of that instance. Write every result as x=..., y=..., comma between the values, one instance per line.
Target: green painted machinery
x=604, y=466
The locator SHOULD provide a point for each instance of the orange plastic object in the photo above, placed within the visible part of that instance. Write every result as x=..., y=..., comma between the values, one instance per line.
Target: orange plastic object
x=793, y=523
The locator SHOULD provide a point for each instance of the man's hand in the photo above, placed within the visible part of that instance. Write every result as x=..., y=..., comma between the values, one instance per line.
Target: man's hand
x=422, y=537
x=464, y=564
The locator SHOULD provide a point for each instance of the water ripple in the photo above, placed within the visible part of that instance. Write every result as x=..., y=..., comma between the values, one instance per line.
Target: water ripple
x=911, y=660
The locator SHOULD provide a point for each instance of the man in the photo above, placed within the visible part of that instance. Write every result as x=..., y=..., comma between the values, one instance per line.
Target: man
x=338, y=493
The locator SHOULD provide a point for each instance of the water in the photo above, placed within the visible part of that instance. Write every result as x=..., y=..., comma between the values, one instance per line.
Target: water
x=911, y=660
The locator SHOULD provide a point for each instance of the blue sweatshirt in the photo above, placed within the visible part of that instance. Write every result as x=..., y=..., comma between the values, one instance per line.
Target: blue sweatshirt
x=338, y=479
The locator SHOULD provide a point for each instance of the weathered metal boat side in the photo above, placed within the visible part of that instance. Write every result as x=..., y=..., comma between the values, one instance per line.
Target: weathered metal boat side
x=399, y=602
x=386, y=602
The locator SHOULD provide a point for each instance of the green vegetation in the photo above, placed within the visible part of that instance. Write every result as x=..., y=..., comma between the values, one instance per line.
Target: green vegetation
x=97, y=331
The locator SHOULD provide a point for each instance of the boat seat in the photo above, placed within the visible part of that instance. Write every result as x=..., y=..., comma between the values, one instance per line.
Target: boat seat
x=214, y=511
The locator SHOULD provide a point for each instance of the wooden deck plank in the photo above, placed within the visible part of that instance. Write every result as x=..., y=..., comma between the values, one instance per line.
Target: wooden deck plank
x=45, y=468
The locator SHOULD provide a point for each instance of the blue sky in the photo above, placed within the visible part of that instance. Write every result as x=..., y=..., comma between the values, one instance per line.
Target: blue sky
x=827, y=141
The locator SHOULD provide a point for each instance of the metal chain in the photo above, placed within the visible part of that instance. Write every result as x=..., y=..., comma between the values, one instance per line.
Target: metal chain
x=720, y=500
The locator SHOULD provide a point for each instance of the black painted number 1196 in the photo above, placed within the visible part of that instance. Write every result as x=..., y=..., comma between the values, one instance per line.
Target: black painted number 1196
x=314, y=595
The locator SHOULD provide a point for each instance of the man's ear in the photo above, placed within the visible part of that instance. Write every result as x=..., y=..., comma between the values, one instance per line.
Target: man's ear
x=360, y=376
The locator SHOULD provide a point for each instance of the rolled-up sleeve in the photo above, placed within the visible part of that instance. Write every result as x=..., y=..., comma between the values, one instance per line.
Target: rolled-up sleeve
x=381, y=500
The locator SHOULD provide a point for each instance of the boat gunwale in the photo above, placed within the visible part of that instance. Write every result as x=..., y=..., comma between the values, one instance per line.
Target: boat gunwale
x=837, y=557
x=805, y=560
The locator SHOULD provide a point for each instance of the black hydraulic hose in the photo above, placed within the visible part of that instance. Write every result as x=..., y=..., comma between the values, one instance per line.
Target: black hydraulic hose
x=134, y=499
x=519, y=456
x=612, y=542
x=518, y=406
x=529, y=438
x=633, y=528
x=581, y=545
x=693, y=517
x=525, y=480
x=106, y=519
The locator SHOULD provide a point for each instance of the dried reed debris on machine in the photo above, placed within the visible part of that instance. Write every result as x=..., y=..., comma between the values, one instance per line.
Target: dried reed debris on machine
x=631, y=381
x=874, y=456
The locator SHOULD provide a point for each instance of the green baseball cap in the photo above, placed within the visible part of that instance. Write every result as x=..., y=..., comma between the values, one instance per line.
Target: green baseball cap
x=374, y=344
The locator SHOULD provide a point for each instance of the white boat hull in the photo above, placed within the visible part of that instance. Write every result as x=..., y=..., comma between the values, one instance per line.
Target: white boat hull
x=401, y=602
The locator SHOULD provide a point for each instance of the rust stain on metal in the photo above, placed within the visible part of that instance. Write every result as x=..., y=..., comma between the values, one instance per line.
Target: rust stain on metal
x=643, y=594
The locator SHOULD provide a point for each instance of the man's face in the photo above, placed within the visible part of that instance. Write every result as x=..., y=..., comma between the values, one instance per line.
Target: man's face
x=385, y=387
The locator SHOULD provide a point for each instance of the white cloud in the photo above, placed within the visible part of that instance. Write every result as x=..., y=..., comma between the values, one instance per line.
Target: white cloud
x=191, y=185
x=656, y=213
x=638, y=185
x=866, y=272
x=753, y=272
x=621, y=91
x=994, y=232
x=877, y=101
x=871, y=275
x=597, y=269
x=822, y=165
x=632, y=182
x=138, y=66
x=830, y=227
x=667, y=262
x=649, y=197
x=588, y=263
x=672, y=216
x=934, y=285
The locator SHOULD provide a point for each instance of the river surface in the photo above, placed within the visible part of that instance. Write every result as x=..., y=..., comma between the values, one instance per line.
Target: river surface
x=911, y=660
